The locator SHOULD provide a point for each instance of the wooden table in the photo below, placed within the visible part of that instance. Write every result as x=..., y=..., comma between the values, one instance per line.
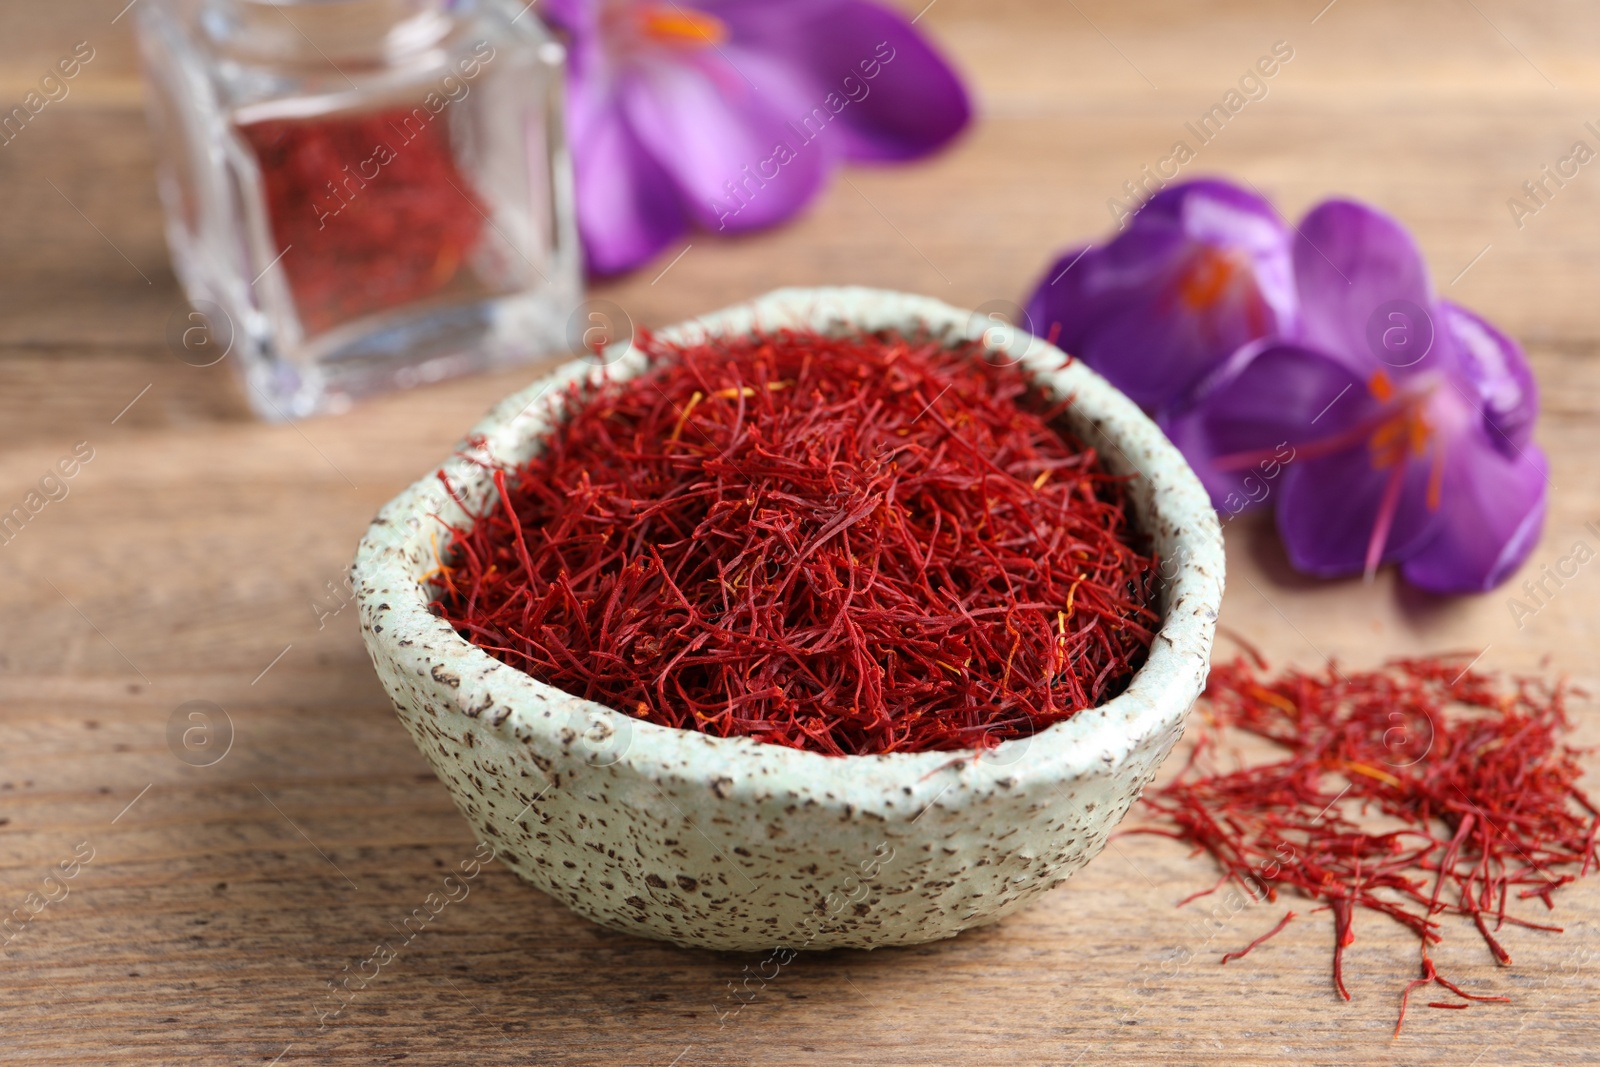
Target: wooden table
x=197, y=550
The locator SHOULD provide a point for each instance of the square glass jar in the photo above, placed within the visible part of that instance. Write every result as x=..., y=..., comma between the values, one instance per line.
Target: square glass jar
x=362, y=195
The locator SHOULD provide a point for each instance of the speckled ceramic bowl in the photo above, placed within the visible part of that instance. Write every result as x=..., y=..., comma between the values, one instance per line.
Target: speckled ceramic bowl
x=731, y=844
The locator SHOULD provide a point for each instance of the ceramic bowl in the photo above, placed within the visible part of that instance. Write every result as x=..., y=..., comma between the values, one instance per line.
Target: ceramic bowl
x=727, y=843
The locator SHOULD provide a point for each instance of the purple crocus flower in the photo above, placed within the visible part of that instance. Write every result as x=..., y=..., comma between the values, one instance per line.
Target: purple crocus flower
x=1397, y=425
x=1200, y=270
x=730, y=114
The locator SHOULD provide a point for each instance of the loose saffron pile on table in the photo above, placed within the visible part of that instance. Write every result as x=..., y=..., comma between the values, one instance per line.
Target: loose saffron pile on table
x=1418, y=791
x=853, y=545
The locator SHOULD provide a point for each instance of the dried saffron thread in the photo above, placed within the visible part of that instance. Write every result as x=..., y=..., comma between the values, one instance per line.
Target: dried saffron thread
x=1241, y=953
x=1478, y=793
x=1431, y=976
x=854, y=545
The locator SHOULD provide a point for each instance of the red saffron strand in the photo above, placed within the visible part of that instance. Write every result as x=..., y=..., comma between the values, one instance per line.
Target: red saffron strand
x=852, y=544
x=1419, y=790
x=1431, y=976
x=1343, y=937
x=1427, y=978
x=1242, y=953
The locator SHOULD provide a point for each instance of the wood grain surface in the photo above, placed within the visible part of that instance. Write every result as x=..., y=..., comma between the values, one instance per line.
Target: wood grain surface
x=199, y=554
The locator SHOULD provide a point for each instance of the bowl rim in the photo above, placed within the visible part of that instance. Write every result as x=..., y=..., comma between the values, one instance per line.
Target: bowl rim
x=398, y=549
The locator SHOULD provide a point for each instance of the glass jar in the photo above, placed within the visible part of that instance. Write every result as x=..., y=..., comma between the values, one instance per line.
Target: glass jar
x=369, y=193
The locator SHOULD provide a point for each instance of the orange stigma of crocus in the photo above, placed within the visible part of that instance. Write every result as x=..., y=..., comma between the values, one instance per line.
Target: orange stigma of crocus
x=1401, y=434
x=682, y=26
x=1398, y=432
x=1207, y=277
x=1404, y=434
x=1213, y=275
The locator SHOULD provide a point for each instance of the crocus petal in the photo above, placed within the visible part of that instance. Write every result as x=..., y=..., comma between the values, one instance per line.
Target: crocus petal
x=1268, y=401
x=628, y=210
x=882, y=88
x=1330, y=505
x=1364, y=290
x=731, y=113
x=1496, y=374
x=1202, y=269
x=579, y=18
x=719, y=139
x=1492, y=509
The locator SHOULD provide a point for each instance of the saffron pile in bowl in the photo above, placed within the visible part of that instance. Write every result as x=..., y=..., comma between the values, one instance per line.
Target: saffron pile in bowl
x=853, y=545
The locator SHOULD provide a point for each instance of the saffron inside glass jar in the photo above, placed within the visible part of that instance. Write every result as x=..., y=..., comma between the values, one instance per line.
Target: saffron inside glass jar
x=853, y=544
x=363, y=195
x=377, y=203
